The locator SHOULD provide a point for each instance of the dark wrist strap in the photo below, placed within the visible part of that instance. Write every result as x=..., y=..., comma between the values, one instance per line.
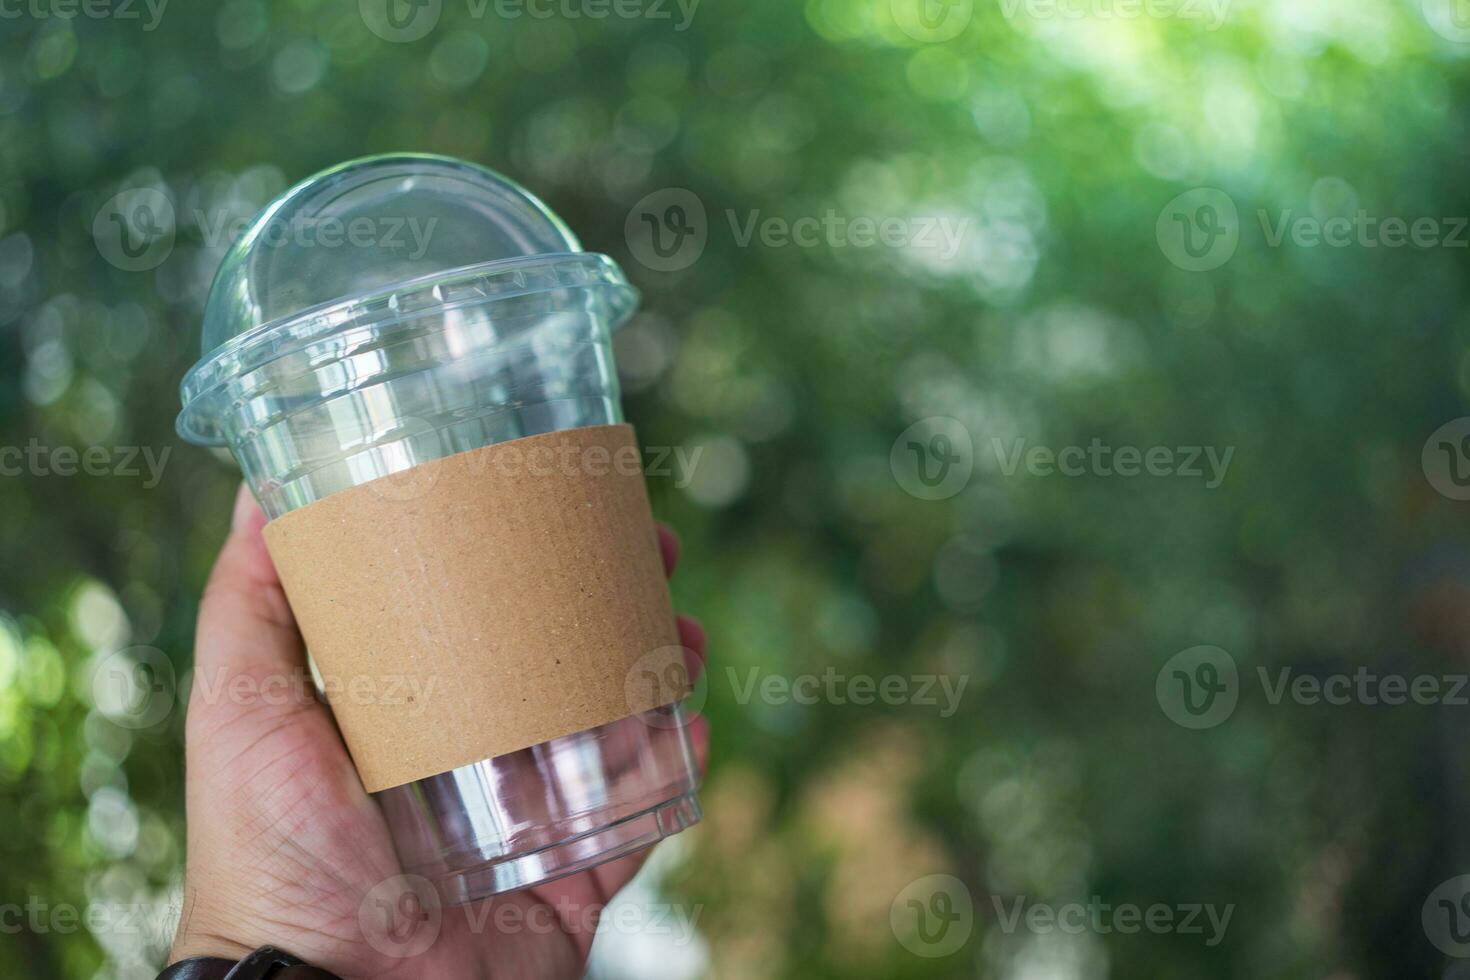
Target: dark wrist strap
x=266, y=963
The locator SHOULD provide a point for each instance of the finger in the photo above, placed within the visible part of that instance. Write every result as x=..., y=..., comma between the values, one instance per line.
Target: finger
x=245, y=623
x=695, y=643
x=599, y=884
x=610, y=878
x=668, y=545
x=692, y=638
x=699, y=738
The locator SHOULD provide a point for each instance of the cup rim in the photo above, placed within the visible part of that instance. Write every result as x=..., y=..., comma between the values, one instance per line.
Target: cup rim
x=505, y=280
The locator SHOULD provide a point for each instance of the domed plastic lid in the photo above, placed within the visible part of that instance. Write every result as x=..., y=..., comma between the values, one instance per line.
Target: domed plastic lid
x=349, y=237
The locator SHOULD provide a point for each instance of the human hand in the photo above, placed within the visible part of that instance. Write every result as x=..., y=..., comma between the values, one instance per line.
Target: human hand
x=283, y=842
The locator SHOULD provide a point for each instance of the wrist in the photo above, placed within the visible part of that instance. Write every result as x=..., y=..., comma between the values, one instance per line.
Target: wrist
x=215, y=922
x=200, y=934
x=211, y=934
x=188, y=946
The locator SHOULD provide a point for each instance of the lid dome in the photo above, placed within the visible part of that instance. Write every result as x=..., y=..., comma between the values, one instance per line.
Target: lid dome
x=365, y=231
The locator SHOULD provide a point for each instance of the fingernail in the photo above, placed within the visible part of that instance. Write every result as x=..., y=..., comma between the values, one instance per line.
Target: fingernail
x=245, y=509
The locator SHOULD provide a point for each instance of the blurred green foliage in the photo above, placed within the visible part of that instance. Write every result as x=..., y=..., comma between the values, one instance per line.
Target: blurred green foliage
x=1060, y=319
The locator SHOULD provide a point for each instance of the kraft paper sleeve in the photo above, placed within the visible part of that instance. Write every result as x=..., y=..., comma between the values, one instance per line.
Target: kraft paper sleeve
x=485, y=602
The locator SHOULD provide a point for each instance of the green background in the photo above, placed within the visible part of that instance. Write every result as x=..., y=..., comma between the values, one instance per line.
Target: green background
x=1065, y=316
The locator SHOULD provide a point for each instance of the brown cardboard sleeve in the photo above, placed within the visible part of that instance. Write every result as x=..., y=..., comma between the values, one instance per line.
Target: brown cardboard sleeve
x=484, y=602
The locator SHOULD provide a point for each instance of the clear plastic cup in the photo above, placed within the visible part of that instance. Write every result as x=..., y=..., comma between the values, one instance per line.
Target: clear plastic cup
x=396, y=310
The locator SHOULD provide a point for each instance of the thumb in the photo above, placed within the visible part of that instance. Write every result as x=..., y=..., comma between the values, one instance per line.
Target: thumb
x=248, y=653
